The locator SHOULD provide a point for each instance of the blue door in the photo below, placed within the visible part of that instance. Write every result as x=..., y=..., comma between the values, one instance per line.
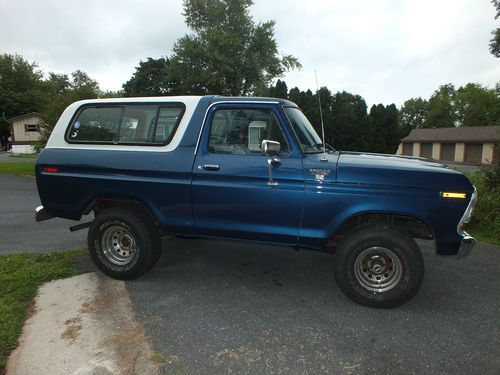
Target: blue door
x=231, y=189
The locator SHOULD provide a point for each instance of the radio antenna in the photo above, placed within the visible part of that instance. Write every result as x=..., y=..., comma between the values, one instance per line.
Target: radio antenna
x=323, y=158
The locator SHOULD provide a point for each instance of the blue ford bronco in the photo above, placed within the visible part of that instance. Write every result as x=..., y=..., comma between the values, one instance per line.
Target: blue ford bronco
x=248, y=169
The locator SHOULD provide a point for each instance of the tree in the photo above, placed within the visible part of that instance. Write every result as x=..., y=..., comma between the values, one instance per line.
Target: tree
x=441, y=108
x=64, y=92
x=412, y=115
x=344, y=115
x=308, y=103
x=348, y=128
x=384, y=122
x=151, y=78
x=477, y=106
x=227, y=52
x=21, y=89
x=495, y=41
x=279, y=90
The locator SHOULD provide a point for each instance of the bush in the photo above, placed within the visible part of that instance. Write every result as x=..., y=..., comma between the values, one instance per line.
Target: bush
x=492, y=176
x=485, y=222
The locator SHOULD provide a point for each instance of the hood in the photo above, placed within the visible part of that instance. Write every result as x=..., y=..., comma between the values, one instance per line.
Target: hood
x=381, y=169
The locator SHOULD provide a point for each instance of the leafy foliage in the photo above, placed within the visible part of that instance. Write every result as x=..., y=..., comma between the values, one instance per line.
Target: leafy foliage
x=349, y=128
x=440, y=110
x=412, y=115
x=21, y=89
x=151, y=78
x=384, y=122
x=227, y=52
x=63, y=92
x=486, y=217
x=279, y=90
x=495, y=41
x=470, y=105
x=477, y=106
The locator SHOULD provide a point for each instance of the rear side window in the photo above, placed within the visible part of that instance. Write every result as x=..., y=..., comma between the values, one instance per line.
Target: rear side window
x=128, y=124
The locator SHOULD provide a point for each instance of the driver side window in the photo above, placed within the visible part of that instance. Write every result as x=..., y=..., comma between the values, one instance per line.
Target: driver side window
x=241, y=131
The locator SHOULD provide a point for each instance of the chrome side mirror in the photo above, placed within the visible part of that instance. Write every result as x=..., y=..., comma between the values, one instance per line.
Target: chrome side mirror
x=270, y=148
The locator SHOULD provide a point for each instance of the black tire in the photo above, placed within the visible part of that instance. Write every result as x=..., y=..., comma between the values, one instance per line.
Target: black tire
x=124, y=243
x=379, y=267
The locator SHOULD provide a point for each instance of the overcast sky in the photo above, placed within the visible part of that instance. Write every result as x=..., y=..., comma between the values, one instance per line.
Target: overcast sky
x=387, y=51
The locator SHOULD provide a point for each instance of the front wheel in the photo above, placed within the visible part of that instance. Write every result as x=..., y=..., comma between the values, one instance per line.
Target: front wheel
x=379, y=267
x=124, y=243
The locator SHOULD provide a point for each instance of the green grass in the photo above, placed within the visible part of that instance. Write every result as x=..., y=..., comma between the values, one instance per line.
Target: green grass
x=18, y=169
x=24, y=156
x=484, y=234
x=20, y=277
x=485, y=224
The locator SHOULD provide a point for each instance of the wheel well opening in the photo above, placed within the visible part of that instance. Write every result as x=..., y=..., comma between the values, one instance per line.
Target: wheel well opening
x=412, y=226
x=102, y=203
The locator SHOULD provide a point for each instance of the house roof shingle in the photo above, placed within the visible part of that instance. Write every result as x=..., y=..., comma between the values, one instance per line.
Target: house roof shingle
x=461, y=134
x=32, y=114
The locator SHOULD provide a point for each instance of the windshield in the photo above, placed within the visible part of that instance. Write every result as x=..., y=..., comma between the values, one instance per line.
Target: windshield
x=309, y=140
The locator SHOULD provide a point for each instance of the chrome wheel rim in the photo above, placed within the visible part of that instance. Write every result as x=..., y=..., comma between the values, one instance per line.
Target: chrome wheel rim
x=119, y=245
x=378, y=269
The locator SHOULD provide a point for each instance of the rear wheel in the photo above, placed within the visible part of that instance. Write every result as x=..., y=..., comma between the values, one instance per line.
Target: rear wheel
x=379, y=267
x=124, y=243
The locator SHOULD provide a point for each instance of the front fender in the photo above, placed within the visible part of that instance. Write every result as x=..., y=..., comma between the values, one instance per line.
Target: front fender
x=328, y=208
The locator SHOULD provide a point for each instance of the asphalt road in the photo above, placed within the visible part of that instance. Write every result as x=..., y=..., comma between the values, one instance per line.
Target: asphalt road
x=214, y=307
x=20, y=232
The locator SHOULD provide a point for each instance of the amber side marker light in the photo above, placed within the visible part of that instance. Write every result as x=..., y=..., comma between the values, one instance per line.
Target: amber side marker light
x=449, y=194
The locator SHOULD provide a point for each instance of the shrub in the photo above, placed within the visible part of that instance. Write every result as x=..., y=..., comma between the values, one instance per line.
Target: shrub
x=486, y=217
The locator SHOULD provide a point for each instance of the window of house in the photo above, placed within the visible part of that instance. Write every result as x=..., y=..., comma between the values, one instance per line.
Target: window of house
x=241, y=131
x=30, y=127
x=128, y=124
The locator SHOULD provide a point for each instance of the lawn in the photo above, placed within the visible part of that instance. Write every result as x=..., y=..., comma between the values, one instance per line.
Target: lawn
x=20, y=277
x=18, y=169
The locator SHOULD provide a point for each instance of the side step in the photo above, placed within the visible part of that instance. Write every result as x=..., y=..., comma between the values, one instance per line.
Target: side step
x=74, y=228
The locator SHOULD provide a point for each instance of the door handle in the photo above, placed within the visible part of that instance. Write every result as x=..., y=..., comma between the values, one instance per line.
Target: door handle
x=275, y=160
x=211, y=167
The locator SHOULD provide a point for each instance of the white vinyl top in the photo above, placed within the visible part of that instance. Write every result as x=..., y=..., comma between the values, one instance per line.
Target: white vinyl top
x=57, y=140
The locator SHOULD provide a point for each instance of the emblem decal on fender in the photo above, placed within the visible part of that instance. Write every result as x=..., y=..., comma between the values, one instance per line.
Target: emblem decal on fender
x=319, y=174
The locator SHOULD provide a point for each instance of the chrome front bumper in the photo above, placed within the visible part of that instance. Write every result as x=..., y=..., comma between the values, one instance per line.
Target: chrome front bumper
x=468, y=243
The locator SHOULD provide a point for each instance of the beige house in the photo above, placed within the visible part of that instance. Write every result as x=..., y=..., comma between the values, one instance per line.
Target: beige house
x=478, y=145
x=24, y=132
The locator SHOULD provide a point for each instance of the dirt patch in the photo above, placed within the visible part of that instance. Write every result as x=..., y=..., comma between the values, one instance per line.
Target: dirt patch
x=84, y=324
x=74, y=325
x=128, y=340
